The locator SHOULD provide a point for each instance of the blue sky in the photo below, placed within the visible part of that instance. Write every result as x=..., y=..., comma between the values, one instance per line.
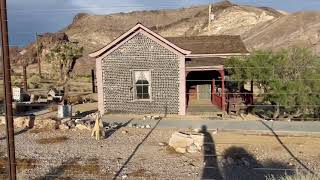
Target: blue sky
x=26, y=17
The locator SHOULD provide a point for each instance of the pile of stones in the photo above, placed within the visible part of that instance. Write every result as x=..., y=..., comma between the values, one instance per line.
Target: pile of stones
x=147, y=126
x=187, y=142
x=86, y=123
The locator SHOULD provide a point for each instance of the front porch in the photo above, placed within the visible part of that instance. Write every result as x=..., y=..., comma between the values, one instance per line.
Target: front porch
x=205, y=89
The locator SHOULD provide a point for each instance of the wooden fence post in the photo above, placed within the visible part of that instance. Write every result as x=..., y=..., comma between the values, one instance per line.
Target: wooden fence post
x=93, y=81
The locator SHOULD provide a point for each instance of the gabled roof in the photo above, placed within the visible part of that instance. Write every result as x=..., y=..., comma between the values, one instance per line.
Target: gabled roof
x=125, y=36
x=219, y=44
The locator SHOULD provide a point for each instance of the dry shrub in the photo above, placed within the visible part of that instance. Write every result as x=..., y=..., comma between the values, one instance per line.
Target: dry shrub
x=22, y=164
x=73, y=100
x=88, y=167
x=34, y=82
x=140, y=173
x=52, y=140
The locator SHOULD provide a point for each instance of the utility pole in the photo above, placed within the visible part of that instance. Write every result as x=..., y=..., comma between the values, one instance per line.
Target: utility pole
x=7, y=90
x=38, y=58
x=25, y=79
x=209, y=22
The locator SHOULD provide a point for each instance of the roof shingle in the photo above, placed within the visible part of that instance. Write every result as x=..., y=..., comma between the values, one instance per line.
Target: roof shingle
x=218, y=44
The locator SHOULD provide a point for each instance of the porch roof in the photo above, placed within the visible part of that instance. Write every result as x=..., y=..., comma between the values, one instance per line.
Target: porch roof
x=201, y=62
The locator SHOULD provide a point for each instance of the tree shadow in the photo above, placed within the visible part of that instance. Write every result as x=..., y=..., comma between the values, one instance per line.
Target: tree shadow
x=109, y=132
x=238, y=163
x=287, y=149
x=134, y=151
x=30, y=126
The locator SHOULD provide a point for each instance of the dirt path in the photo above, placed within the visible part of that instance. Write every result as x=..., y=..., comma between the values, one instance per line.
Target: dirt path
x=138, y=155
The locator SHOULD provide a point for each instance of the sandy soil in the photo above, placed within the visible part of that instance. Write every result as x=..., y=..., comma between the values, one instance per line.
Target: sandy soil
x=138, y=155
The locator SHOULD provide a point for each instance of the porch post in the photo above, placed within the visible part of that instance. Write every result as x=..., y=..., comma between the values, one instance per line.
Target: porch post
x=213, y=91
x=223, y=96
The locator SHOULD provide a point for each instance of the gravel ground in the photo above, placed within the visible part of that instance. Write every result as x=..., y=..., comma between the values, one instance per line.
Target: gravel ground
x=138, y=155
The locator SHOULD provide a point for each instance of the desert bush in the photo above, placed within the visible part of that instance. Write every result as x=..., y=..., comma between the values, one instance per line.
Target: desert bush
x=73, y=100
x=34, y=82
x=15, y=80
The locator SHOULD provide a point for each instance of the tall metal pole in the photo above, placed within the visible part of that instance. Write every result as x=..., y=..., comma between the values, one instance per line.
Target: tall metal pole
x=7, y=90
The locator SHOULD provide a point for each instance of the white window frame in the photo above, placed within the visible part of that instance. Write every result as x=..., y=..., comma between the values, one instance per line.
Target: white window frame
x=134, y=86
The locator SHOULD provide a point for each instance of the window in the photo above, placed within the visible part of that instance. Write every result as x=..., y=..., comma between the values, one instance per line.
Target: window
x=142, y=80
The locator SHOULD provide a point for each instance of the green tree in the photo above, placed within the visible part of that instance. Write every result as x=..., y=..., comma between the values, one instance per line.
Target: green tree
x=289, y=79
x=62, y=57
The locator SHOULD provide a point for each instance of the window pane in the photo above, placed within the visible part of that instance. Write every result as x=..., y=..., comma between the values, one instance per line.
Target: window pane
x=145, y=92
x=142, y=82
x=139, y=92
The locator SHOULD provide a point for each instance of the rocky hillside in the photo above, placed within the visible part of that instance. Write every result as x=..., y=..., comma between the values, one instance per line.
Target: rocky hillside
x=259, y=27
x=93, y=31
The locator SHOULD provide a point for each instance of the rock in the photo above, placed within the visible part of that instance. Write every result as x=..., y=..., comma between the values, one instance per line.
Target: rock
x=115, y=125
x=124, y=132
x=82, y=127
x=124, y=176
x=130, y=125
x=21, y=122
x=162, y=144
x=142, y=127
x=64, y=127
x=148, y=126
x=215, y=131
x=181, y=150
x=180, y=140
x=198, y=140
x=192, y=149
x=192, y=142
x=197, y=130
x=147, y=117
x=47, y=124
x=71, y=124
x=2, y=120
x=78, y=121
x=156, y=118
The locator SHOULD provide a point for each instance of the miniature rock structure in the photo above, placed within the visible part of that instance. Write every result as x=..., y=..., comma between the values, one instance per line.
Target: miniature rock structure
x=184, y=142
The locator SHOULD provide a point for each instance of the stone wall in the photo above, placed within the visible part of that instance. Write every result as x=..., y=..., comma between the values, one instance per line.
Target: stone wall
x=141, y=53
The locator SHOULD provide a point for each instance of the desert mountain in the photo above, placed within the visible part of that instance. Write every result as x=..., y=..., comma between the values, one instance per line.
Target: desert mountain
x=259, y=27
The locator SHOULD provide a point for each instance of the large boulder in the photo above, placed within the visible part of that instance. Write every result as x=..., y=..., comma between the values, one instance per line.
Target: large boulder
x=2, y=120
x=22, y=122
x=184, y=142
x=46, y=124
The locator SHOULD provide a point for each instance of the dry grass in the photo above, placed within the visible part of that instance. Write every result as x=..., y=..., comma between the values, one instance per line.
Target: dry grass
x=22, y=164
x=88, y=167
x=140, y=173
x=52, y=140
x=38, y=130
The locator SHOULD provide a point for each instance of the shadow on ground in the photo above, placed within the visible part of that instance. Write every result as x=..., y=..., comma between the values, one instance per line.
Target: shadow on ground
x=238, y=163
x=287, y=149
x=111, y=131
x=135, y=150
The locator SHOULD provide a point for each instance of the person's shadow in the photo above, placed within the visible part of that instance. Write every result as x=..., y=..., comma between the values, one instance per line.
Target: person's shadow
x=211, y=168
